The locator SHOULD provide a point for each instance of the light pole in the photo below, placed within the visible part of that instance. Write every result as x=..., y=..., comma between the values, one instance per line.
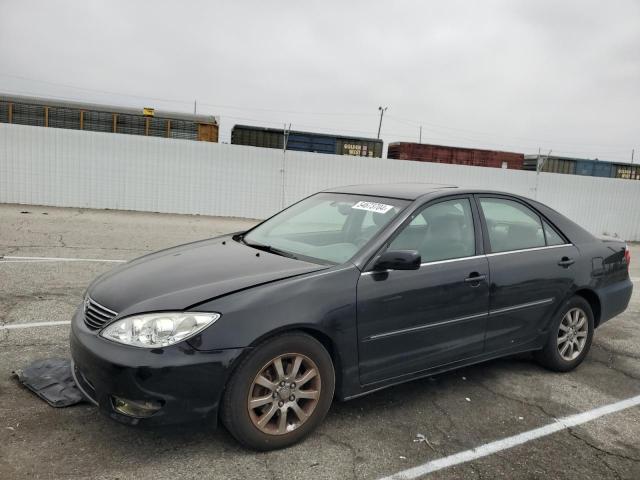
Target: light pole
x=382, y=110
x=285, y=134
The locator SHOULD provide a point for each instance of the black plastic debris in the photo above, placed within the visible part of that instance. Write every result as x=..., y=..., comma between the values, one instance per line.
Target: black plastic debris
x=51, y=380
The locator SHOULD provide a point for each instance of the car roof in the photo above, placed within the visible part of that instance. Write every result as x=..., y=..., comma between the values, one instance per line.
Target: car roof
x=404, y=191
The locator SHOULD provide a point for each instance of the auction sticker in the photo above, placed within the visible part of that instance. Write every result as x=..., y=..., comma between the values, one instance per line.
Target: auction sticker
x=373, y=207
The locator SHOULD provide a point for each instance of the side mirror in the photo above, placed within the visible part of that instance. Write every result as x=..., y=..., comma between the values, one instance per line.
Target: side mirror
x=398, y=260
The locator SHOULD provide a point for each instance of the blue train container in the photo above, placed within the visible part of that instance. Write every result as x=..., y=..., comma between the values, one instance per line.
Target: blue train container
x=602, y=169
x=594, y=168
x=306, y=142
x=584, y=167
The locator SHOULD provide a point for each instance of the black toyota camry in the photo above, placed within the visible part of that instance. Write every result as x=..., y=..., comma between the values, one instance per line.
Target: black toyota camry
x=346, y=292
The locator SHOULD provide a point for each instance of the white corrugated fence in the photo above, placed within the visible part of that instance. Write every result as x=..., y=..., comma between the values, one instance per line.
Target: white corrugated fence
x=70, y=168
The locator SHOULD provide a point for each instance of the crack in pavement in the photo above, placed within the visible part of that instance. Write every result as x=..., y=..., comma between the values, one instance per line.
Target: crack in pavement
x=514, y=399
x=573, y=433
x=616, y=352
x=611, y=362
x=570, y=430
x=611, y=367
x=603, y=453
x=348, y=446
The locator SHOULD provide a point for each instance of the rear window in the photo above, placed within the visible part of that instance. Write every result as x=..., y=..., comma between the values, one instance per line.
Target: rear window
x=511, y=225
x=553, y=237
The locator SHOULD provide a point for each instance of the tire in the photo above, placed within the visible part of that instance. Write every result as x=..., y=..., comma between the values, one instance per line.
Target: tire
x=253, y=409
x=556, y=355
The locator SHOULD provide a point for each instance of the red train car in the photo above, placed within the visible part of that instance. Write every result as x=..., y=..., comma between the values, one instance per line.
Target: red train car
x=422, y=152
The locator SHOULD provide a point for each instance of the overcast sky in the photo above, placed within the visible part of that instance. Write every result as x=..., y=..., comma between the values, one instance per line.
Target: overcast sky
x=512, y=75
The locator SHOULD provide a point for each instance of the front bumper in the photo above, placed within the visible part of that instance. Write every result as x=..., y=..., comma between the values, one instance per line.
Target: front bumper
x=187, y=383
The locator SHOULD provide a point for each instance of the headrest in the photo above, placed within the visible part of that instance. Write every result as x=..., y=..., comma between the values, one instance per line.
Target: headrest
x=380, y=219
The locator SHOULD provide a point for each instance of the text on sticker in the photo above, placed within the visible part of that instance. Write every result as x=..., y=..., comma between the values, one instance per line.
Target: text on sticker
x=373, y=207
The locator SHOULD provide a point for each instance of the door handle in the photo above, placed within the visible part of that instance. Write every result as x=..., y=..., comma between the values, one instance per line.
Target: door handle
x=566, y=262
x=476, y=278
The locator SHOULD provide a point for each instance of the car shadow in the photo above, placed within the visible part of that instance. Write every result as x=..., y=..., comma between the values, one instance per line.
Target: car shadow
x=366, y=409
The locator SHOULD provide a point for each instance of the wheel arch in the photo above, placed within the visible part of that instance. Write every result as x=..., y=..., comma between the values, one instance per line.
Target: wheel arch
x=325, y=340
x=593, y=300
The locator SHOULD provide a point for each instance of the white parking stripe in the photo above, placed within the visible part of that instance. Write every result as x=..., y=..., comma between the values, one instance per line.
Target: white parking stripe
x=510, y=442
x=55, y=259
x=15, y=326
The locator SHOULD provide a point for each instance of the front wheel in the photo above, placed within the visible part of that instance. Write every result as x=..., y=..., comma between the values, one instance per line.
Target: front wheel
x=280, y=392
x=570, y=337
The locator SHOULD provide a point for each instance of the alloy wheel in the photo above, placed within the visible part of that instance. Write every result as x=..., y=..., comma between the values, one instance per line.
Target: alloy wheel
x=572, y=334
x=284, y=394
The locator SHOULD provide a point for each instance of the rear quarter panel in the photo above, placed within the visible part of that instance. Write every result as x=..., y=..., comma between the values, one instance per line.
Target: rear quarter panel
x=608, y=276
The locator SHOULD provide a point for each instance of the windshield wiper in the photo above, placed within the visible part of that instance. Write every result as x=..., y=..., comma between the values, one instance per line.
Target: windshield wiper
x=268, y=248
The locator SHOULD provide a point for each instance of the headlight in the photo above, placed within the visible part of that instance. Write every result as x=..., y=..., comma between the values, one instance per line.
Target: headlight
x=153, y=330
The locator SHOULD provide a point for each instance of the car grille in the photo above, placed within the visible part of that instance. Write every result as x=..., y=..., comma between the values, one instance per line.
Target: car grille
x=95, y=315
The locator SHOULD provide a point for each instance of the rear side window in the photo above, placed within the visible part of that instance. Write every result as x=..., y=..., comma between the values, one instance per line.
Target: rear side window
x=553, y=238
x=511, y=225
x=440, y=232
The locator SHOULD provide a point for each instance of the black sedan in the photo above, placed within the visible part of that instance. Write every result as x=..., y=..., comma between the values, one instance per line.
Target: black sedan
x=346, y=292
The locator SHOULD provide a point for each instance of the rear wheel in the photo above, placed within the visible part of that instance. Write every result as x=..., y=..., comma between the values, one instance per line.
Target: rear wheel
x=570, y=337
x=280, y=392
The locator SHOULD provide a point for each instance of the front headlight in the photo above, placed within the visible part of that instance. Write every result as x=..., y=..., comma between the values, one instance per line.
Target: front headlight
x=153, y=330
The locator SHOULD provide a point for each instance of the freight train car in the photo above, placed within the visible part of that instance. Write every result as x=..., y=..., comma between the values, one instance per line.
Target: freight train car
x=628, y=171
x=306, y=141
x=422, y=152
x=44, y=112
x=551, y=164
x=582, y=166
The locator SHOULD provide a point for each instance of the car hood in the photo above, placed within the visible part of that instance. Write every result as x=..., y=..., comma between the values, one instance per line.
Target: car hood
x=183, y=276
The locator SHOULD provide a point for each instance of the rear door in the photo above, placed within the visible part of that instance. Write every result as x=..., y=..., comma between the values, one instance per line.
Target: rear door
x=531, y=271
x=409, y=321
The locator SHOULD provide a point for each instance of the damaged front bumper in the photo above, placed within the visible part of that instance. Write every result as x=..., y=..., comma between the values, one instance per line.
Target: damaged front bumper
x=175, y=384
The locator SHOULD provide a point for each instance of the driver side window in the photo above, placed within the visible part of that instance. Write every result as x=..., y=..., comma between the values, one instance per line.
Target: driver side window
x=443, y=231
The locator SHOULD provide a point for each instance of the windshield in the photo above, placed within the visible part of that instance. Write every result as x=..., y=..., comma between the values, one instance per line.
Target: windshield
x=329, y=227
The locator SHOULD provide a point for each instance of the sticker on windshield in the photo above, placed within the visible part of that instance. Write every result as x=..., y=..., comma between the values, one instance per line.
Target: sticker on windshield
x=373, y=207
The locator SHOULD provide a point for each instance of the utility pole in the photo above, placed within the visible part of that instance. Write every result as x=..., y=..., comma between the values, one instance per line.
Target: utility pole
x=539, y=165
x=633, y=150
x=285, y=139
x=420, y=141
x=382, y=110
x=195, y=107
x=538, y=162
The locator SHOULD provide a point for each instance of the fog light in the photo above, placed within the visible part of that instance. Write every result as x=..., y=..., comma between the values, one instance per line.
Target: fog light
x=133, y=408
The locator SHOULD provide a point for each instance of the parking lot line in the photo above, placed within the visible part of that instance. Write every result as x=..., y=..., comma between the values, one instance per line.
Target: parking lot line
x=510, y=442
x=9, y=259
x=15, y=326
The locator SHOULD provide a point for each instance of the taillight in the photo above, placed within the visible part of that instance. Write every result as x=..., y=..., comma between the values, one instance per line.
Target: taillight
x=627, y=255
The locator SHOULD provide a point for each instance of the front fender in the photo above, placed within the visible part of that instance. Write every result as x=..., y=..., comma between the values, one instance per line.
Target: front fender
x=321, y=301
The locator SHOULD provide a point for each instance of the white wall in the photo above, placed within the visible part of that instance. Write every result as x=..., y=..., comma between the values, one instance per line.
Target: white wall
x=70, y=168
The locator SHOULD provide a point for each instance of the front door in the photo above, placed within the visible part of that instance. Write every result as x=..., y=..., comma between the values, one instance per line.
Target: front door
x=413, y=320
